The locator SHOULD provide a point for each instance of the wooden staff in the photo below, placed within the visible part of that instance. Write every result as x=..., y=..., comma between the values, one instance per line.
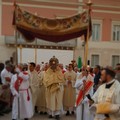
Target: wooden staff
x=16, y=45
x=86, y=47
x=20, y=53
x=83, y=103
x=36, y=51
x=89, y=3
x=36, y=45
x=18, y=99
x=16, y=39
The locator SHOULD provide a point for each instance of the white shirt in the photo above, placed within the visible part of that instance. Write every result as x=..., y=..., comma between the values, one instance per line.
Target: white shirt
x=5, y=74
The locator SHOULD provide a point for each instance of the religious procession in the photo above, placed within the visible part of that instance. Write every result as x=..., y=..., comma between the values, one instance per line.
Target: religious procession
x=59, y=60
x=52, y=90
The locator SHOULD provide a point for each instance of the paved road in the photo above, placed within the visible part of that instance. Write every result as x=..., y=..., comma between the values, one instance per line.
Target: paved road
x=41, y=117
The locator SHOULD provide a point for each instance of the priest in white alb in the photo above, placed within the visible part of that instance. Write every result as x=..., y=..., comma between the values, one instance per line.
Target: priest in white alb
x=34, y=83
x=69, y=90
x=41, y=101
x=82, y=110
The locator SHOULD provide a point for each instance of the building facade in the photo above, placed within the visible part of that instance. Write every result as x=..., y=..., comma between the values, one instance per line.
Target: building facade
x=104, y=45
x=44, y=8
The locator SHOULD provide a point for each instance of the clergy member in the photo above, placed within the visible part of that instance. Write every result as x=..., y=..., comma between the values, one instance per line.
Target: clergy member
x=34, y=84
x=53, y=81
x=106, y=100
x=20, y=90
x=69, y=91
x=82, y=110
x=37, y=68
x=41, y=101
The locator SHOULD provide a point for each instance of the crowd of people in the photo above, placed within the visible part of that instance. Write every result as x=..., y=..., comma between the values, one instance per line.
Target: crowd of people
x=51, y=89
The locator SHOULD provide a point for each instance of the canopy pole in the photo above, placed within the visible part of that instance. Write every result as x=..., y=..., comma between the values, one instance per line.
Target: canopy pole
x=16, y=50
x=36, y=50
x=20, y=53
x=16, y=46
x=16, y=35
x=86, y=48
x=89, y=3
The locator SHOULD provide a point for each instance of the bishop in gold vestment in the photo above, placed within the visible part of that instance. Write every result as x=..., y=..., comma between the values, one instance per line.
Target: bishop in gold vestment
x=53, y=81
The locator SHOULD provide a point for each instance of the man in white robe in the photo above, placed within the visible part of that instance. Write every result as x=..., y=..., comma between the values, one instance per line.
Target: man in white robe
x=22, y=92
x=106, y=103
x=41, y=101
x=77, y=72
x=37, y=69
x=82, y=111
x=69, y=91
x=6, y=76
x=34, y=83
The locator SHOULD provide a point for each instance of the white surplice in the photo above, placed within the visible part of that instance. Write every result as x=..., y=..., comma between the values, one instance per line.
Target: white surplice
x=87, y=115
x=112, y=94
x=26, y=108
x=34, y=86
x=5, y=74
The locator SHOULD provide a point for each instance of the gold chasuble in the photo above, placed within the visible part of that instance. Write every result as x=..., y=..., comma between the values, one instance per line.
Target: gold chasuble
x=69, y=90
x=53, y=81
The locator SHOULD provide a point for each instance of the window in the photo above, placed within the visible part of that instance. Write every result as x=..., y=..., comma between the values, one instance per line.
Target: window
x=116, y=32
x=115, y=60
x=94, y=60
x=96, y=32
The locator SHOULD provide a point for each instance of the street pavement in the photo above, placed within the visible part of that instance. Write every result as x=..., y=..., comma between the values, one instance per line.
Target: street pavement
x=40, y=117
